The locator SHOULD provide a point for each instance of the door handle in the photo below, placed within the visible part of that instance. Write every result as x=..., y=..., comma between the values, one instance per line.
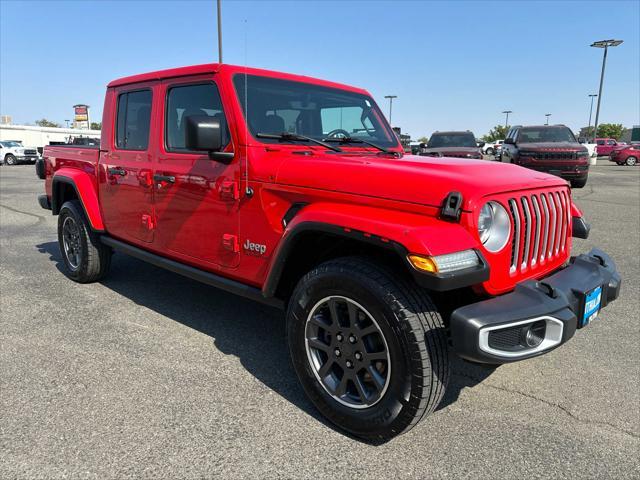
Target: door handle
x=117, y=171
x=164, y=178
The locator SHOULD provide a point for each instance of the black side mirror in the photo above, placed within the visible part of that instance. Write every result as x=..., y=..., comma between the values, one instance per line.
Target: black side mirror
x=509, y=141
x=205, y=134
x=481, y=144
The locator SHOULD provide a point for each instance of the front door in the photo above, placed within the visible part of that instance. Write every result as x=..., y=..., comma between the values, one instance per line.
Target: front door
x=126, y=188
x=196, y=199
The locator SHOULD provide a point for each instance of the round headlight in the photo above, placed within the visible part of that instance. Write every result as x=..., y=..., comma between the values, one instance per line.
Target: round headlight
x=494, y=226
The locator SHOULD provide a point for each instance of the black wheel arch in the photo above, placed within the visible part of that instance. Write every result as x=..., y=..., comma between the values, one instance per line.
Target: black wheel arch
x=308, y=244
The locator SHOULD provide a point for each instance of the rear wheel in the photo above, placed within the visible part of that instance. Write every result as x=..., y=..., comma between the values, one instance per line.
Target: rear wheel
x=368, y=346
x=86, y=259
x=631, y=161
x=579, y=182
x=11, y=160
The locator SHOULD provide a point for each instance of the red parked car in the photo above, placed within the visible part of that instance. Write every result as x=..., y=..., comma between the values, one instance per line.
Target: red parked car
x=296, y=192
x=625, y=155
x=604, y=146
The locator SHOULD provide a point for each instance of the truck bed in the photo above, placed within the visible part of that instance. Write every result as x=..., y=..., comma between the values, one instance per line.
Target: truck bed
x=83, y=158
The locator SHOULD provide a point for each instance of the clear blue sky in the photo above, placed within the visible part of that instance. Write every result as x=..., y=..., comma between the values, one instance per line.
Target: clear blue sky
x=453, y=65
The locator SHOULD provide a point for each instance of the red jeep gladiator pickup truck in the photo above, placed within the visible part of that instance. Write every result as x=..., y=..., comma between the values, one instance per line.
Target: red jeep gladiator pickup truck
x=296, y=192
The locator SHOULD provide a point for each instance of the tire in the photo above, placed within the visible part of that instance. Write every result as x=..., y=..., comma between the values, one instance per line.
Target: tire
x=490, y=151
x=85, y=258
x=402, y=321
x=579, y=182
x=10, y=159
x=631, y=161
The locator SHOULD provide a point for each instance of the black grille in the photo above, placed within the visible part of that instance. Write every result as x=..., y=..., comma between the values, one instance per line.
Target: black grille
x=30, y=152
x=551, y=155
x=507, y=339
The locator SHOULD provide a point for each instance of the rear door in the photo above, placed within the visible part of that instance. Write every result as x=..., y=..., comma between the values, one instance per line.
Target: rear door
x=126, y=187
x=196, y=198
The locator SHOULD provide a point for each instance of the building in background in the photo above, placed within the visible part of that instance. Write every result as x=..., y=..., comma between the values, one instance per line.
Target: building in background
x=38, y=137
x=5, y=119
x=405, y=139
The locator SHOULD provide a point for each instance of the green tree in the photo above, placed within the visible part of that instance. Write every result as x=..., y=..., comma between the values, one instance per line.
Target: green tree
x=499, y=132
x=43, y=122
x=610, y=130
x=96, y=125
x=423, y=140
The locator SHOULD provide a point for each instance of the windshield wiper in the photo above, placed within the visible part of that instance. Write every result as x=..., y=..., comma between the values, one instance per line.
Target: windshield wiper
x=356, y=140
x=295, y=136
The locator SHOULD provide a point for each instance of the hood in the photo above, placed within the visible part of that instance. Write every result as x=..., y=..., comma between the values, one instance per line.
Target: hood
x=552, y=146
x=414, y=179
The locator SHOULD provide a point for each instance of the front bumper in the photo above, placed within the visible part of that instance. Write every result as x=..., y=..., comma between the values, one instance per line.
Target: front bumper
x=27, y=158
x=557, y=301
x=564, y=171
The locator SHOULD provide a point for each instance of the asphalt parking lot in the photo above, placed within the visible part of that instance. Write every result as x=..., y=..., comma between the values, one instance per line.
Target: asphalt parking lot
x=149, y=374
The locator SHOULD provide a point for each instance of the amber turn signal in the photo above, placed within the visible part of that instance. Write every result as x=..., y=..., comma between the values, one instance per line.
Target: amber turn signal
x=426, y=264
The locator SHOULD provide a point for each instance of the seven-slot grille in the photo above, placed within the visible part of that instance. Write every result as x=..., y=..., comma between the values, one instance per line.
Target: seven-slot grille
x=540, y=224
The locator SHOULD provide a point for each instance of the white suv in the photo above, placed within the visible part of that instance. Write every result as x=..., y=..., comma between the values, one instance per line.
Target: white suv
x=492, y=148
x=13, y=152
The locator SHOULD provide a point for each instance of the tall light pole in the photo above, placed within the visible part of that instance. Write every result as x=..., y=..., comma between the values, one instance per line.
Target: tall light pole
x=602, y=44
x=506, y=120
x=593, y=95
x=219, y=32
x=390, y=97
x=547, y=115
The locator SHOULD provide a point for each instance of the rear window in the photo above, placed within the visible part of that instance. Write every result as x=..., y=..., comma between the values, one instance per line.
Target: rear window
x=133, y=120
x=545, y=135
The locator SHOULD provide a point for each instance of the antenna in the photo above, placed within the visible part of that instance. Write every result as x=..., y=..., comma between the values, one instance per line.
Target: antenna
x=248, y=191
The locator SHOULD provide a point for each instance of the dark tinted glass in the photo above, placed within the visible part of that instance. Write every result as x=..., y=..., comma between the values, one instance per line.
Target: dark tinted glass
x=133, y=120
x=188, y=100
x=277, y=106
x=442, y=140
x=545, y=135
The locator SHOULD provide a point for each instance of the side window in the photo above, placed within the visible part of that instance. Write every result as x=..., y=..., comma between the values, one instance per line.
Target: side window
x=185, y=101
x=611, y=142
x=600, y=142
x=133, y=119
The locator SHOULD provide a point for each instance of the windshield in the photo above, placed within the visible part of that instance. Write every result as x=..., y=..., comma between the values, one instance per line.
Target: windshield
x=545, y=135
x=282, y=106
x=443, y=140
x=11, y=144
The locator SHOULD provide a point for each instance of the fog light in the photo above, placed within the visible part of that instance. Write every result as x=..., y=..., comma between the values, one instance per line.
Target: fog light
x=535, y=333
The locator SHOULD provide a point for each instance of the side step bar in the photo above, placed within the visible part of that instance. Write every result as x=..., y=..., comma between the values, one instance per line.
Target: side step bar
x=202, y=276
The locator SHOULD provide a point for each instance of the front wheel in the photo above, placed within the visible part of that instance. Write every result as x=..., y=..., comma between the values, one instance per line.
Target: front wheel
x=368, y=346
x=11, y=160
x=490, y=151
x=85, y=257
x=631, y=161
x=579, y=182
